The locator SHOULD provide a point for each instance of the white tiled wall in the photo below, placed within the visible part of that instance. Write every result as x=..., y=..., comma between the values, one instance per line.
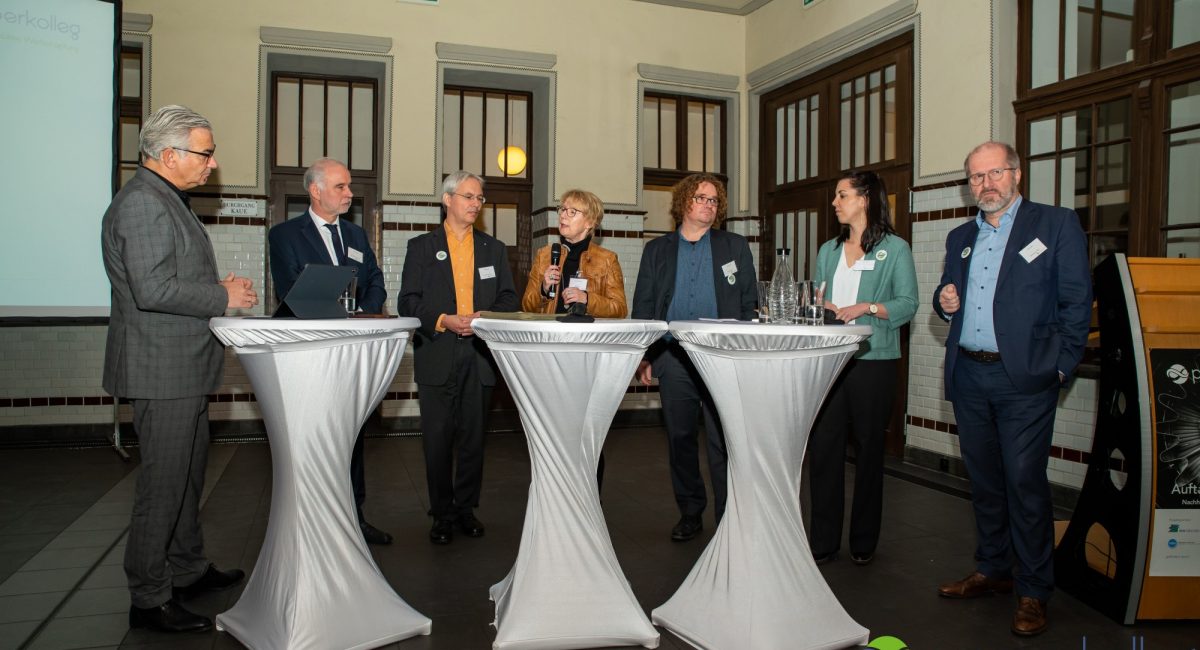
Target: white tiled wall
x=67, y=361
x=1076, y=417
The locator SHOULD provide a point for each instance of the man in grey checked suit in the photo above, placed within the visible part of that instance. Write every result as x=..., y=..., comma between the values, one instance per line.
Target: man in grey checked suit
x=161, y=356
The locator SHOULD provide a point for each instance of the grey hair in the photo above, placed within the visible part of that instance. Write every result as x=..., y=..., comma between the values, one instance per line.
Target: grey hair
x=1011, y=157
x=316, y=171
x=450, y=185
x=170, y=127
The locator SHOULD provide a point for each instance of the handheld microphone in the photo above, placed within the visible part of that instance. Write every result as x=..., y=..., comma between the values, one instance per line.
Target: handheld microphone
x=555, y=256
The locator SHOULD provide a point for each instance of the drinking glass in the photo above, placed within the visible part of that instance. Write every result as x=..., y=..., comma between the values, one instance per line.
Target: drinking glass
x=812, y=303
x=764, y=297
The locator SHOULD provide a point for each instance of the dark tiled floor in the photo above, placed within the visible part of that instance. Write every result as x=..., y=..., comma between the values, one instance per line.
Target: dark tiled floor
x=62, y=514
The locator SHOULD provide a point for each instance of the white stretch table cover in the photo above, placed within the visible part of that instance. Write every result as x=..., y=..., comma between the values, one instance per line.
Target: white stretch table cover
x=566, y=589
x=756, y=585
x=315, y=584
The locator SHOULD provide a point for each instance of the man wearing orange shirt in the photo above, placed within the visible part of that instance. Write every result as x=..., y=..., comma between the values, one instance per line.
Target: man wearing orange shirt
x=450, y=275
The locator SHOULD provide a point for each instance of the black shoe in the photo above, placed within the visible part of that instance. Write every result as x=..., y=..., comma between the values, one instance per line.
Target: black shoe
x=688, y=527
x=213, y=579
x=861, y=559
x=442, y=531
x=825, y=558
x=373, y=535
x=168, y=617
x=470, y=526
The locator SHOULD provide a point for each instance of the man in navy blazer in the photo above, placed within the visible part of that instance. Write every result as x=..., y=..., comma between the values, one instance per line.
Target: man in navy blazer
x=320, y=236
x=451, y=274
x=1016, y=289
x=695, y=272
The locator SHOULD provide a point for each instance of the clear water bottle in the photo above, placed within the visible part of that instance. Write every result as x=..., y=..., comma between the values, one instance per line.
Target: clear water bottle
x=782, y=296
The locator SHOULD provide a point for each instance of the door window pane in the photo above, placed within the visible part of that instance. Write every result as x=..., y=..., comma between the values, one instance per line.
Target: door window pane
x=670, y=159
x=1183, y=192
x=312, y=121
x=1184, y=107
x=1041, y=181
x=287, y=122
x=451, y=121
x=1116, y=32
x=1041, y=136
x=362, y=127
x=1183, y=243
x=338, y=125
x=650, y=130
x=695, y=129
x=1044, y=27
x=131, y=73
x=1185, y=25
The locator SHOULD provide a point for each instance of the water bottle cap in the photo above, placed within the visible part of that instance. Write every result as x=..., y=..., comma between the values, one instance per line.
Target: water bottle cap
x=783, y=251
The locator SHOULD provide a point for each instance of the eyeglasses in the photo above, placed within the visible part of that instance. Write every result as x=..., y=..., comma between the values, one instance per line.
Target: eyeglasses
x=203, y=154
x=994, y=174
x=700, y=199
x=570, y=212
x=473, y=197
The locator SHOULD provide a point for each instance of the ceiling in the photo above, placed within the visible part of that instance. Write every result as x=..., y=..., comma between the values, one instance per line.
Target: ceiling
x=736, y=7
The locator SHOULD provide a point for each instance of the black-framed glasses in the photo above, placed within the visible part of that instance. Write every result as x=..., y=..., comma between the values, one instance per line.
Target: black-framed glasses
x=473, y=197
x=700, y=199
x=994, y=174
x=570, y=212
x=203, y=154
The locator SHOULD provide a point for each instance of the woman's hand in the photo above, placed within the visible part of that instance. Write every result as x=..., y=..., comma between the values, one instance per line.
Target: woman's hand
x=550, y=278
x=847, y=314
x=573, y=295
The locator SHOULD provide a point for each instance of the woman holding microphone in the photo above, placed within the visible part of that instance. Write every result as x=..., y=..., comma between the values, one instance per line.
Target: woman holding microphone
x=584, y=274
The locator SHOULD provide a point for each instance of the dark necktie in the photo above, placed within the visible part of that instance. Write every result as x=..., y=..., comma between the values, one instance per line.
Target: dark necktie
x=337, y=244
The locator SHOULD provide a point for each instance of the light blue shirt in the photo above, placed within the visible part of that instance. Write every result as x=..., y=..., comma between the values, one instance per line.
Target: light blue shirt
x=695, y=294
x=978, y=329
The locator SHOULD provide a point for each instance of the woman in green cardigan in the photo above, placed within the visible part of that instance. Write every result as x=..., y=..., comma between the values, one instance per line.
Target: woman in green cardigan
x=870, y=280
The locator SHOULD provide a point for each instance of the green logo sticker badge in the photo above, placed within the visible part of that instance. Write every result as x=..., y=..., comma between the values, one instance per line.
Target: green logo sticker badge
x=887, y=643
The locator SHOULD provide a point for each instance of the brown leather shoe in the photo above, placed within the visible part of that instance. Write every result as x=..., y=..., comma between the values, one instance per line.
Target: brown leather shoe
x=974, y=586
x=1030, y=617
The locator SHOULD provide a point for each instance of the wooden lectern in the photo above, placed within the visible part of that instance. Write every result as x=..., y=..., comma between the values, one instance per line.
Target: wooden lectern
x=1132, y=548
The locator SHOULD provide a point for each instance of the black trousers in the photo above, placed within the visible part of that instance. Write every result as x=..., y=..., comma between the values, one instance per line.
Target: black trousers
x=857, y=409
x=684, y=397
x=358, y=477
x=1005, y=437
x=452, y=417
x=165, y=548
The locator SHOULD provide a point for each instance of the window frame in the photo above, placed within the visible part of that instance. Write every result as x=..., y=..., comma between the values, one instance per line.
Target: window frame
x=665, y=176
x=1155, y=67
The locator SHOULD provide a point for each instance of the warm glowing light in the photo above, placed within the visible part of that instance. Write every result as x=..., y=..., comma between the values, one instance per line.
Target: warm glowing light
x=515, y=163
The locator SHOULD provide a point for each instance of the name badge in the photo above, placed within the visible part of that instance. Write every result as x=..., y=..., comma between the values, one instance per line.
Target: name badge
x=863, y=265
x=578, y=283
x=1033, y=250
x=354, y=254
x=487, y=272
x=729, y=268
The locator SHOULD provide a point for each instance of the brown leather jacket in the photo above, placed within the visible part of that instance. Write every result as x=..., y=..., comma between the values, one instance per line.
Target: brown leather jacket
x=606, y=284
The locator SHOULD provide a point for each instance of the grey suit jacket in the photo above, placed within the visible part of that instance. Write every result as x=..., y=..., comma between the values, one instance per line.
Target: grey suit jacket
x=165, y=287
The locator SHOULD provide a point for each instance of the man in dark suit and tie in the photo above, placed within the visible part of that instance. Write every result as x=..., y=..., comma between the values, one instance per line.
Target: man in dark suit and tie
x=450, y=275
x=161, y=356
x=695, y=272
x=320, y=236
x=1016, y=288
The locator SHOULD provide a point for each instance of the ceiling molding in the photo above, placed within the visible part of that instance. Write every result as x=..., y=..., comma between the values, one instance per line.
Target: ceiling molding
x=325, y=40
x=822, y=47
x=734, y=7
x=495, y=56
x=667, y=74
x=132, y=22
